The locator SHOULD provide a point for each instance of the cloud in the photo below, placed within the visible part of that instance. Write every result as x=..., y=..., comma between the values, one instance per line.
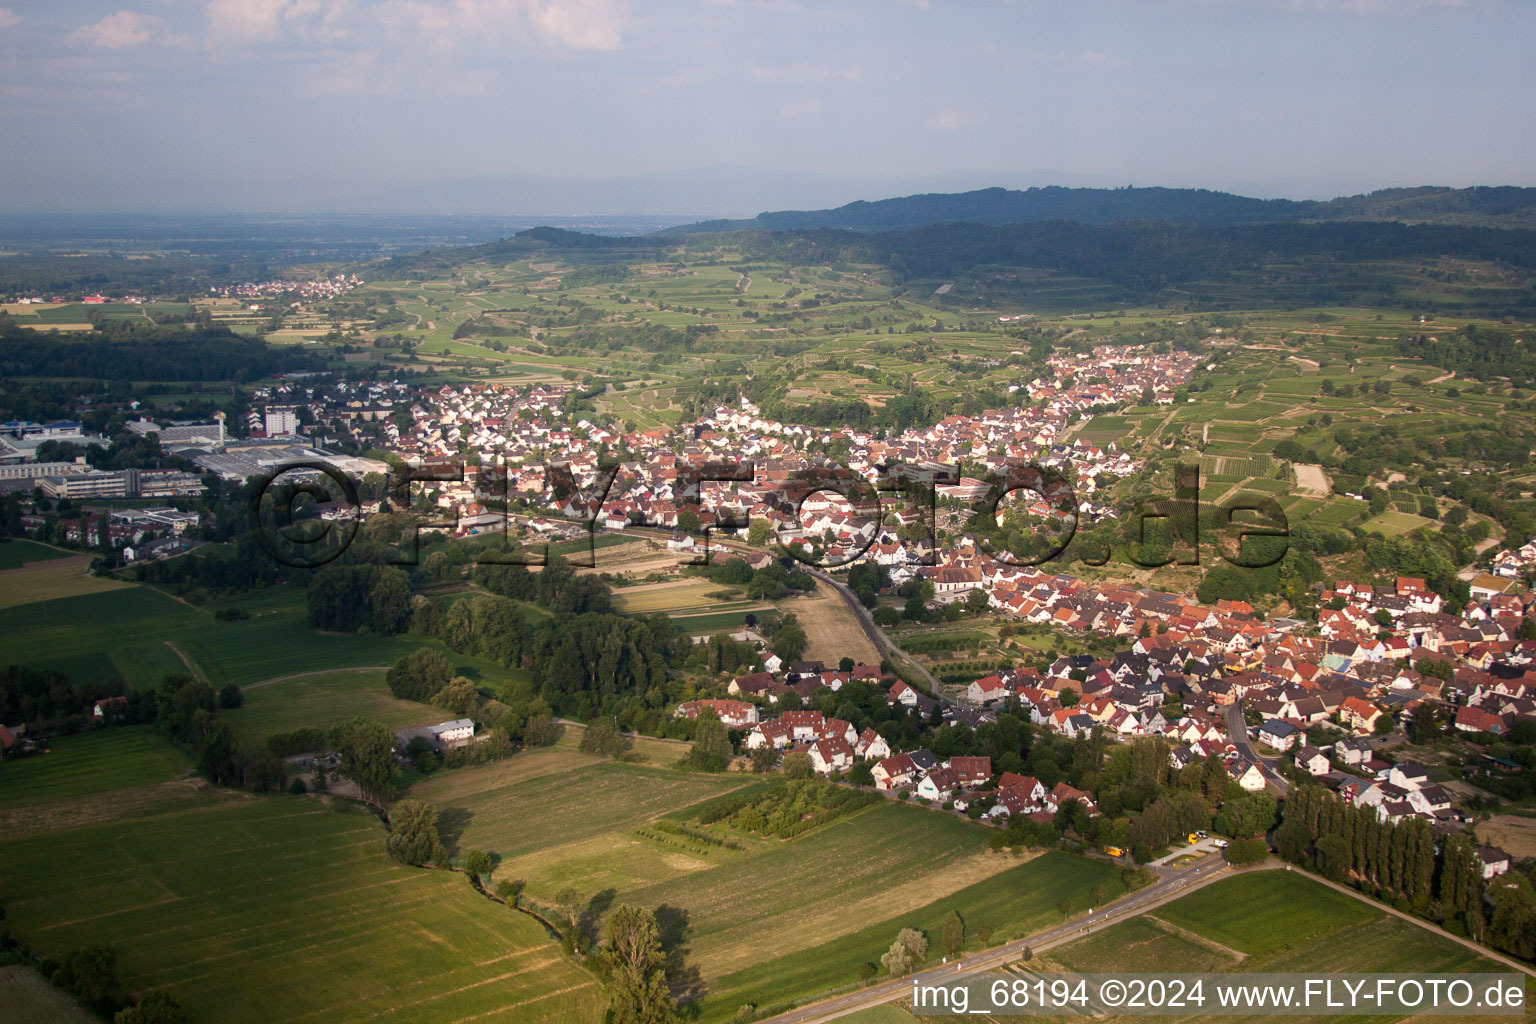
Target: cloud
x=576, y=24
x=581, y=24
x=267, y=19
x=120, y=30
x=8, y=18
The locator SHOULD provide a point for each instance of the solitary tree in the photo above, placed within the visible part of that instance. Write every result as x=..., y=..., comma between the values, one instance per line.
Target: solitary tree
x=797, y=765
x=906, y=953
x=789, y=640
x=459, y=697
x=478, y=864
x=89, y=973
x=367, y=752
x=637, y=982
x=413, y=835
x=763, y=758
x=711, y=750
x=420, y=674
x=602, y=736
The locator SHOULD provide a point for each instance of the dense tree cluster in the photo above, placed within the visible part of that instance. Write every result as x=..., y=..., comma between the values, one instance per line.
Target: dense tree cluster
x=348, y=597
x=138, y=350
x=49, y=699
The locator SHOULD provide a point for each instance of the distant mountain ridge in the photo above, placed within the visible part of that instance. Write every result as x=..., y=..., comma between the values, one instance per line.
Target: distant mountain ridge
x=1483, y=206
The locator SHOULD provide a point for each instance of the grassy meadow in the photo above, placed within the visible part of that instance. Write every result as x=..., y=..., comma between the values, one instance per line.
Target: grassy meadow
x=323, y=699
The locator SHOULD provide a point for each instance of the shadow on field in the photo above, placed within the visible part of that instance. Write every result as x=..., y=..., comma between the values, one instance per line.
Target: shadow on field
x=451, y=823
x=674, y=924
x=591, y=917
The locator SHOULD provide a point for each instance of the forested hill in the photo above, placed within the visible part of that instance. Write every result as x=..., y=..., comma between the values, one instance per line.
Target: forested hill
x=1505, y=206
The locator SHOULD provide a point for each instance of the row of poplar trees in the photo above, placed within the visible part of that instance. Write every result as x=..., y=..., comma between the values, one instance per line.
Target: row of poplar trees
x=1440, y=876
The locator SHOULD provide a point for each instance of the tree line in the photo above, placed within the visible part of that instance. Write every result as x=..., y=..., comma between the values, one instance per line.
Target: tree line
x=1409, y=865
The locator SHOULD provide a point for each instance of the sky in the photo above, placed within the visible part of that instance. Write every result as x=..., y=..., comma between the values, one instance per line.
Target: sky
x=721, y=108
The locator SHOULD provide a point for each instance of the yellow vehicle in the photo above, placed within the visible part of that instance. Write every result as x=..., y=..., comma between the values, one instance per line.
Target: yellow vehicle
x=1114, y=851
x=1194, y=838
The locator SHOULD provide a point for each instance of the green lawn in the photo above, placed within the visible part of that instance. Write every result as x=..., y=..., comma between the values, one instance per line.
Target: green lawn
x=886, y=1013
x=1142, y=940
x=1337, y=934
x=522, y=817
x=1266, y=911
x=285, y=909
x=92, y=762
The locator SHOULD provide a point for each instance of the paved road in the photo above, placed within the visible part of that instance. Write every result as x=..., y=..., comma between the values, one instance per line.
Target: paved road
x=1173, y=884
x=1237, y=729
x=1207, y=845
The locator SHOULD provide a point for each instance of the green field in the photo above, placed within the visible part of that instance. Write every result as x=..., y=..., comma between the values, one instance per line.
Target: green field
x=1013, y=903
x=736, y=905
x=668, y=597
x=128, y=633
x=1265, y=912
x=1395, y=524
x=714, y=622
x=15, y=553
x=93, y=762
x=276, y=909
x=1266, y=921
x=322, y=700
x=886, y=1013
x=53, y=579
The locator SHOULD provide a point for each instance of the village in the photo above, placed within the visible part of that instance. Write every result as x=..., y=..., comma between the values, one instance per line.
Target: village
x=1216, y=681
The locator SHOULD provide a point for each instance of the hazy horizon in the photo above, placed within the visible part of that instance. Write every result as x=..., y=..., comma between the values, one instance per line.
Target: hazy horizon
x=710, y=108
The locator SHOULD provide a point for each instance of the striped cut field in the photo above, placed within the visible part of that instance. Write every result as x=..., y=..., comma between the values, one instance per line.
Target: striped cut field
x=95, y=762
x=563, y=820
x=284, y=909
